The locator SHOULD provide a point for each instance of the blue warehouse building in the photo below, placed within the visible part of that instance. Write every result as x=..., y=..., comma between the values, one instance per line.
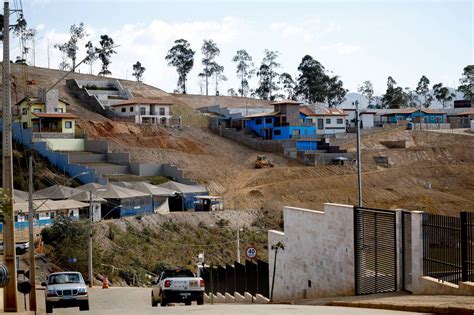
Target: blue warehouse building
x=413, y=114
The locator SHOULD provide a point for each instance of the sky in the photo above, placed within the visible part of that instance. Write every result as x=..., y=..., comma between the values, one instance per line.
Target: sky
x=356, y=40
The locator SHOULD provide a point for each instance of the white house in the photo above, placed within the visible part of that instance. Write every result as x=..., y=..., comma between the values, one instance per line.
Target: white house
x=145, y=110
x=329, y=121
x=367, y=119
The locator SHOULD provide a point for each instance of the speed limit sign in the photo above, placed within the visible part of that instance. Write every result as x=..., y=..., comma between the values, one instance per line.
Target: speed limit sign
x=251, y=252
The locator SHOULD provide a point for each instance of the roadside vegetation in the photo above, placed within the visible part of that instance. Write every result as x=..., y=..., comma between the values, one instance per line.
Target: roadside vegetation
x=130, y=253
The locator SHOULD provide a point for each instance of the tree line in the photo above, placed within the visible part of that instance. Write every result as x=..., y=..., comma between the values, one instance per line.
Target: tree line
x=314, y=82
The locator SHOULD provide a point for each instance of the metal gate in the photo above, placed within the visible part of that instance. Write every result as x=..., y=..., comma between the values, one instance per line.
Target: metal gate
x=375, y=251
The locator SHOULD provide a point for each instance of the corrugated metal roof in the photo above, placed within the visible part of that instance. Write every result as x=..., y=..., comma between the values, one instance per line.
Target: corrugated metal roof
x=183, y=188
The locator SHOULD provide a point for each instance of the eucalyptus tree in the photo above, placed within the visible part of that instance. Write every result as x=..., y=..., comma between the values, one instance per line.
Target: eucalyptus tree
x=181, y=56
x=245, y=70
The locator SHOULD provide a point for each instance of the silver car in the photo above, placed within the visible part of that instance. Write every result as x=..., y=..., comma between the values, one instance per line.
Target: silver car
x=66, y=289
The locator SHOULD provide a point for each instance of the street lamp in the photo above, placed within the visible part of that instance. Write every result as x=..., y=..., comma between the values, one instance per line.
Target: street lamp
x=31, y=215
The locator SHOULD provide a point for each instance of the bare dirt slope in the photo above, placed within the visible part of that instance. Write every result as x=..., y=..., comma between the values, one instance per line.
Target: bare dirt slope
x=435, y=172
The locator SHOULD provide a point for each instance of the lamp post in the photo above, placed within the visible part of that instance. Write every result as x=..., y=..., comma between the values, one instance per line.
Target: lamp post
x=359, y=165
x=31, y=215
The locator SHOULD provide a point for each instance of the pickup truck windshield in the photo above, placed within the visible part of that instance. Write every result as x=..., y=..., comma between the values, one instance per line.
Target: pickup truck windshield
x=178, y=273
x=64, y=278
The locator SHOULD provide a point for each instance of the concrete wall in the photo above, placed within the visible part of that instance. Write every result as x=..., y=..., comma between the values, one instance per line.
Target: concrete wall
x=97, y=146
x=167, y=170
x=318, y=259
x=63, y=144
x=273, y=146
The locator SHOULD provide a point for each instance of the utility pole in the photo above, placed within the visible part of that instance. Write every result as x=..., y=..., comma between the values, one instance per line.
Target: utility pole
x=31, y=216
x=90, y=240
x=10, y=299
x=359, y=165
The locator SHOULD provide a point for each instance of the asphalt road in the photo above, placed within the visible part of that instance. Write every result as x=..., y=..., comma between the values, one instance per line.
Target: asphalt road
x=137, y=301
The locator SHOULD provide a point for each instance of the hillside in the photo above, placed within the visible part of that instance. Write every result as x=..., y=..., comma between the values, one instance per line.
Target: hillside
x=445, y=160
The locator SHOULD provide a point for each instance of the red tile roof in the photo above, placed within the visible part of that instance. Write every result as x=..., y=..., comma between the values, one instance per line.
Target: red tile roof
x=411, y=110
x=55, y=115
x=142, y=100
x=306, y=111
x=467, y=113
x=331, y=112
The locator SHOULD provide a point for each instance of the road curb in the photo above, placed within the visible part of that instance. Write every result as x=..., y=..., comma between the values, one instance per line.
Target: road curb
x=409, y=308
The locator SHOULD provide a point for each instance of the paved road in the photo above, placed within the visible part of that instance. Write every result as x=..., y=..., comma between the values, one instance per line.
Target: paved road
x=137, y=301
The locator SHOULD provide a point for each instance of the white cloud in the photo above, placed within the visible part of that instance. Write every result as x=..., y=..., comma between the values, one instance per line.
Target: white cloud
x=342, y=49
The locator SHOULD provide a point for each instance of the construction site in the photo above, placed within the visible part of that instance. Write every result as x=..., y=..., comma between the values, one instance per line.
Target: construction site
x=432, y=171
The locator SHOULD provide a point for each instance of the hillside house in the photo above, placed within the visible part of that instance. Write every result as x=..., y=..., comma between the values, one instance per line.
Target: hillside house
x=427, y=115
x=284, y=123
x=47, y=118
x=328, y=121
x=144, y=110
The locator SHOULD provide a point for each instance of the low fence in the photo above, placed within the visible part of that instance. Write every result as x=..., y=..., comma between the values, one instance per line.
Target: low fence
x=251, y=277
x=448, y=247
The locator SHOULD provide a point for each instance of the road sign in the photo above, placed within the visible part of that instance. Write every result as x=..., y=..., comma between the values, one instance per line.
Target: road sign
x=251, y=252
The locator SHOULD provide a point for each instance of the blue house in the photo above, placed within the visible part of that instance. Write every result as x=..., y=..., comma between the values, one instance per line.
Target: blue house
x=285, y=122
x=413, y=114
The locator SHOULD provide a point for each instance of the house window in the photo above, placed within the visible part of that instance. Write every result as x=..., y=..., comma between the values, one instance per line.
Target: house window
x=277, y=132
x=60, y=110
x=51, y=215
x=328, y=120
x=25, y=111
x=340, y=121
x=37, y=110
x=142, y=111
x=162, y=111
x=268, y=120
x=258, y=121
x=131, y=109
x=68, y=124
x=124, y=110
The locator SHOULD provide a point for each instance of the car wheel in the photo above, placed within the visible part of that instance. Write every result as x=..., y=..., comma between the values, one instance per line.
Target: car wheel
x=84, y=306
x=200, y=301
x=187, y=303
x=153, y=302
x=49, y=308
x=163, y=302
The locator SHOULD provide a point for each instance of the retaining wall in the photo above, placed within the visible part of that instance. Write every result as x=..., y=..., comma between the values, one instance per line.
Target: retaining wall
x=167, y=170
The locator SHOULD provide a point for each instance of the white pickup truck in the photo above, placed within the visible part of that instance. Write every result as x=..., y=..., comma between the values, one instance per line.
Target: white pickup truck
x=177, y=286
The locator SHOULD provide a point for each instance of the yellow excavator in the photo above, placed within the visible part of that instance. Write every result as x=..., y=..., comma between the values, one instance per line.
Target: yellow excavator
x=262, y=161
